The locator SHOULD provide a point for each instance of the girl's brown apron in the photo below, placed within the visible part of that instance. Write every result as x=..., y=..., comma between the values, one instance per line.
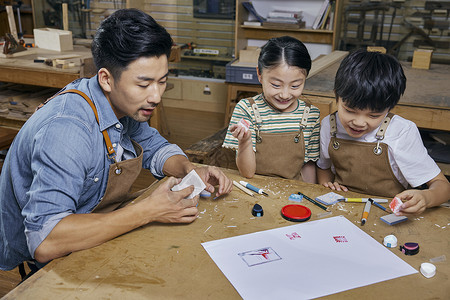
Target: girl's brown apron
x=364, y=167
x=121, y=174
x=279, y=154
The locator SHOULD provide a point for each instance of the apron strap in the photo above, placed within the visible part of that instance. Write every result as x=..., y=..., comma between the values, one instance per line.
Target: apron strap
x=384, y=125
x=303, y=121
x=109, y=147
x=258, y=119
x=379, y=136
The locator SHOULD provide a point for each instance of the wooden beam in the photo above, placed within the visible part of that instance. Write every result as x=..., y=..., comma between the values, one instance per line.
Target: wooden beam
x=65, y=16
x=12, y=22
x=326, y=61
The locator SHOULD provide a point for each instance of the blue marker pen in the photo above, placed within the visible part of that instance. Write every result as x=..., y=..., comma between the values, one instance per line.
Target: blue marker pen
x=253, y=188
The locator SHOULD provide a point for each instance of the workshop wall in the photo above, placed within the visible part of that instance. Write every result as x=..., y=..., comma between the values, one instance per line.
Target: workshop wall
x=177, y=16
x=410, y=17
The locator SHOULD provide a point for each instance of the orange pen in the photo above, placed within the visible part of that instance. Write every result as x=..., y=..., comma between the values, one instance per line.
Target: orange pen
x=366, y=211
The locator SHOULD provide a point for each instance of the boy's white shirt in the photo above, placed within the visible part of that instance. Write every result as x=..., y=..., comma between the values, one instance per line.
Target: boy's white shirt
x=408, y=156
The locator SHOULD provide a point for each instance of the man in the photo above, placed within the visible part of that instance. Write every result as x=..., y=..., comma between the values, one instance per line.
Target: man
x=65, y=180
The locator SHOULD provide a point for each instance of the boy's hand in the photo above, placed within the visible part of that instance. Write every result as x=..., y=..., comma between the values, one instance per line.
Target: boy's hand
x=415, y=202
x=335, y=186
x=240, y=133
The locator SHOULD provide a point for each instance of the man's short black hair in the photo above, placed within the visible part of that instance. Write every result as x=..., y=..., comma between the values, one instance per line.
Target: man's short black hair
x=370, y=80
x=126, y=35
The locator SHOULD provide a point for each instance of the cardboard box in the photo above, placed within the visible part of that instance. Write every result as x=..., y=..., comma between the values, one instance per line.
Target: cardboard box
x=53, y=39
x=376, y=49
x=422, y=59
x=249, y=55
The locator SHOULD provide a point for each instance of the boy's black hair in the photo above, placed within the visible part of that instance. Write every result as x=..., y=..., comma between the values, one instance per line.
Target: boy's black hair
x=284, y=49
x=126, y=35
x=370, y=80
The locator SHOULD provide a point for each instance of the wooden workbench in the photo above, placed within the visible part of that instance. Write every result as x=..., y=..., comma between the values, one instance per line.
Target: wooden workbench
x=22, y=69
x=426, y=101
x=167, y=261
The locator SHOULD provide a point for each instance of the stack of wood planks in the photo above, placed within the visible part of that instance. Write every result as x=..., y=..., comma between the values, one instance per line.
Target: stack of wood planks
x=18, y=102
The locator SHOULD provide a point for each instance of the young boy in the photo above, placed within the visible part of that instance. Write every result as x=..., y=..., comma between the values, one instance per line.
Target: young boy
x=367, y=149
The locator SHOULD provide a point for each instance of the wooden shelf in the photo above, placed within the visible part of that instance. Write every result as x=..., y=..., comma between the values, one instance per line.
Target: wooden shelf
x=215, y=58
x=318, y=36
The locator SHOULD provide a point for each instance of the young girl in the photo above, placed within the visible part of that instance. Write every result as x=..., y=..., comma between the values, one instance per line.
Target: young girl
x=282, y=138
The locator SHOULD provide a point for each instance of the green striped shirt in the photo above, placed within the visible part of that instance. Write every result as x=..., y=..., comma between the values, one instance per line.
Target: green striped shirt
x=274, y=121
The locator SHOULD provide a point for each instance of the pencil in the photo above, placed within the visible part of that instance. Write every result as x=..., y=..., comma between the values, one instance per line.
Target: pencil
x=313, y=201
x=242, y=188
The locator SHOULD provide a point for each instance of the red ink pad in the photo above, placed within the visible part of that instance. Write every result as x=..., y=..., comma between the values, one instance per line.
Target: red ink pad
x=296, y=213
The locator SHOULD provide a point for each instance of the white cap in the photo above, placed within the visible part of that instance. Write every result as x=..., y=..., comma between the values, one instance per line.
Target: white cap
x=428, y=270
x=390, y=241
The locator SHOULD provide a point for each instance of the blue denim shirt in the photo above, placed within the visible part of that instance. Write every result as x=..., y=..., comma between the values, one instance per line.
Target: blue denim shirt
x=58, y=165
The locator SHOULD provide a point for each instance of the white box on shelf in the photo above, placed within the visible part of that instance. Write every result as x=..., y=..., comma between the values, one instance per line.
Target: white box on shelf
x=53, y=39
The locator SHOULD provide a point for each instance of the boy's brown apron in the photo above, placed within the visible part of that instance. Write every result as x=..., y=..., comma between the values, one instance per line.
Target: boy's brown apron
x=279, y=154
x=121, y=174
x=363, y=167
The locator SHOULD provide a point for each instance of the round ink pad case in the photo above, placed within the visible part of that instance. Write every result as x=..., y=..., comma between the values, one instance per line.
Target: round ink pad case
x=410, y=248
x=296, y=213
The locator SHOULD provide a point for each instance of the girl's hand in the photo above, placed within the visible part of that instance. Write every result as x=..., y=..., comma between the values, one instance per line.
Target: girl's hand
x=335, y=186
x=240, y=133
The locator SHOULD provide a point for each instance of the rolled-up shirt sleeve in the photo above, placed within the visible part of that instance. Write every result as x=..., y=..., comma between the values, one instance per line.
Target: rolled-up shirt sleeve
x=159, y=158
x=35, y=238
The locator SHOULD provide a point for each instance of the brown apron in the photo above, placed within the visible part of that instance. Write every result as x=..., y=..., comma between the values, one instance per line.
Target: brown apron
x=364, y=167
x=279, y=154
x=121, y=174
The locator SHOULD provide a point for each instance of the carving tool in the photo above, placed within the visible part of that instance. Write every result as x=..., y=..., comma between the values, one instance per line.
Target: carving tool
x=379, y=200
x=253, y=188
x=313, y=201
x=242, y=188
x=366, y=211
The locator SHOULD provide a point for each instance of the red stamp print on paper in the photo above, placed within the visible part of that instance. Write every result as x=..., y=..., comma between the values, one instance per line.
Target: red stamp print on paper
x=340, y=239
x=293, y=236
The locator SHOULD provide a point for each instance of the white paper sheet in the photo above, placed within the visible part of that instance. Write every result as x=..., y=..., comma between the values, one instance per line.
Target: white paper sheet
x=305, y=261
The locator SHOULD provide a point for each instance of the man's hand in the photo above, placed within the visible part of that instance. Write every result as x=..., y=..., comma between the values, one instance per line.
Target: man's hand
x=166, y=206
x=213, y=176
x=335, y=186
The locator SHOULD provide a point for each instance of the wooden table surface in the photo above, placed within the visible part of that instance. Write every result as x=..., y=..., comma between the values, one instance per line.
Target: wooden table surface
x=163, y=261
x=426, y=101
x=23, y=69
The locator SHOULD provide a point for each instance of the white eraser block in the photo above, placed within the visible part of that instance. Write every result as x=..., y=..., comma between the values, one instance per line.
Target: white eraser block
x=395, y=205
x=191, y=179
x=393, y=219
x=244, y=124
